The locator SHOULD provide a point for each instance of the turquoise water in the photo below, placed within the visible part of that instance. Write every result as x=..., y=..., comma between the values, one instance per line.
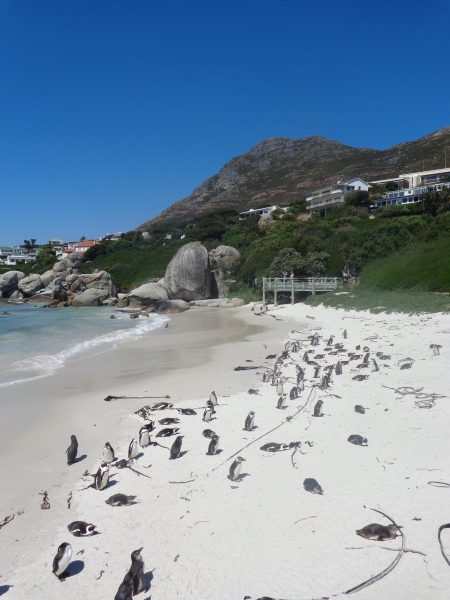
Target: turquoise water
x=36, y=341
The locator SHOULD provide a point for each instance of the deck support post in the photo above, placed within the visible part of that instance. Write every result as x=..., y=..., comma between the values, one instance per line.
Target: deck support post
x=292, y=290
x=313, y=286
x=275, y=291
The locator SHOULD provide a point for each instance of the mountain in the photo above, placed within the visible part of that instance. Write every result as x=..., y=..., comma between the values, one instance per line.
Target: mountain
x=283, y=170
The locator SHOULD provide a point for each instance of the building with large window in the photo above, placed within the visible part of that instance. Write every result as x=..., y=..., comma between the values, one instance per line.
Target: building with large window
x=322, y=200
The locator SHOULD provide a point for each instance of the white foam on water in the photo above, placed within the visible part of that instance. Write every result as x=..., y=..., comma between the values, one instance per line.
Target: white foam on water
x=46, y=364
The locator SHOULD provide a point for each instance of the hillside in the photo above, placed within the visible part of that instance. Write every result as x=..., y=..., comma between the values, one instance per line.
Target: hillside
x=283, y=170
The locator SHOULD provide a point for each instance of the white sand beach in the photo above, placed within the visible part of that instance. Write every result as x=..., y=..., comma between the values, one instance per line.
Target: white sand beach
x=204, y=536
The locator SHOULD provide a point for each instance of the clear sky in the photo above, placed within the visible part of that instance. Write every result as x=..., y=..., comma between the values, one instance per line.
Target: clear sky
x=112, y=110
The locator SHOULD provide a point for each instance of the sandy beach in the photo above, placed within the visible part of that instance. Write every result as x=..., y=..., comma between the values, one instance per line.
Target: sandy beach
x=264, y=535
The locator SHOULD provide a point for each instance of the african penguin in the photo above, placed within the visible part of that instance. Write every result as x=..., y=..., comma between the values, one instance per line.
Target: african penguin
x=176, y=447
x=62, y=559
x=207, y=415
x=121, y=500
x=108, y=453
x=250, y=421
x=132, y=449
x=235, y=469
x=281, y=399
x=213, y=398
x=379, y=533
x=101, y=479
x=213, y=445
x=125, y=591
x=318, y=409
x=144, y=437
x=81, y=528
x=72, y=450
x=137, y=570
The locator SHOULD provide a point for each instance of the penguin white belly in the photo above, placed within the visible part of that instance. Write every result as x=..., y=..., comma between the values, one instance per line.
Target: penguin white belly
x=64, y=561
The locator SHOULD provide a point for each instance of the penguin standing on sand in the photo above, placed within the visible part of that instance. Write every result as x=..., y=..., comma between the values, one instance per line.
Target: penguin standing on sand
x=72, y=450
x=213, y=445
x=137, y=570
x=281, y=399
x=280, y=386
x=144, y=436
x=235, y=469
x=132, y=449
x=62, y=559
x=338, y=368
x=176, y=447
x=317, y=409
x=213, y=398
x=102, y=477
x=207, y=415
x=250, y=421
x=108, y=453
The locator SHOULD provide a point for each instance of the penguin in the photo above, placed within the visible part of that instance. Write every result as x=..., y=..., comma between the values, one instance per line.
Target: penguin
x=344, y=334
x=108, y=453
x=210, y=406
x=213, y=445
x=379, y=533
x=265, y=376
x=294, y=393
x=306, y=358
x=132, y=449
x=144, y=437
x=207, y=415
x=235, y=469
x=72, y=450
x=168, y=431
x=162, y=406
x=280, y=386
x=176, y=447
x=208, y=433
x=186, y=411
x=249, y=421
x=375, y=368
x=358, y=440
x=325, y=381
x=213, y=398
x=360, y=409
x=62, y=559
x=311, y=485
x=137, y=570
x=81, y=528
x=280, y=403
x=338, y=368
x=366, y=358
x=101, y=479
x=316, y=372
x=121, y=500
x=169, y=421
x=300, y=373
x=317, y=409
x=301, y=385
x=125, y=591
x=330, y=340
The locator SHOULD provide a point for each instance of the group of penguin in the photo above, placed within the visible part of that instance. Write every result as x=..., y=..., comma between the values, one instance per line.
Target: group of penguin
x=134, y=579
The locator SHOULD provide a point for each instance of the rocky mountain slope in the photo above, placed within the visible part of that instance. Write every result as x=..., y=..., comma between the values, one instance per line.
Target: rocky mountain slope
x=283, y=170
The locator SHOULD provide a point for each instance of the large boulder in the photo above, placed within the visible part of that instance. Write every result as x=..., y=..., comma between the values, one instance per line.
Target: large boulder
x=149, y=294
x=222, y=260
x=30, y=285
x=90, y=297
x=69, y=263
x=48, y=277
x=224, y=257
x=188, y=275
x=9, y=282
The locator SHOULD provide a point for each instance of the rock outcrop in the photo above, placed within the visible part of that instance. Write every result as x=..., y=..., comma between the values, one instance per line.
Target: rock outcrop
x=149, y=294
x=9, y=282
x=30, y=285
x=222, y=260
x=188, y=275
x=90, y=297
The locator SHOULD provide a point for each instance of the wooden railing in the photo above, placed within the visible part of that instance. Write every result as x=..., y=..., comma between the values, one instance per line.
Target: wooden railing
x=299, y=284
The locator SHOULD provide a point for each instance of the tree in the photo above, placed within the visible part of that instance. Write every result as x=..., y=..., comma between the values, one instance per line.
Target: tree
x=357, y=198
x=286, y=261
x=434, y=201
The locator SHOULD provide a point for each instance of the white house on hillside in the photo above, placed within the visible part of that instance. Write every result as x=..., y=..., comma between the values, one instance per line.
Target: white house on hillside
x=259, y=212
x=320, y=201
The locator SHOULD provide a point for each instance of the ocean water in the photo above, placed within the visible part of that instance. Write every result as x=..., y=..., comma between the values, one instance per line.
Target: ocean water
x=35, y=342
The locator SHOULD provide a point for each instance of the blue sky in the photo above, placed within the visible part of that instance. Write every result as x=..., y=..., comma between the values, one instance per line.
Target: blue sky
x=112, y=110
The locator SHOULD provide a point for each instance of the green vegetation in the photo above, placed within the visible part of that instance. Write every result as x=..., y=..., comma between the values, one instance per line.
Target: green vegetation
x=365, y=298
x=400, y=253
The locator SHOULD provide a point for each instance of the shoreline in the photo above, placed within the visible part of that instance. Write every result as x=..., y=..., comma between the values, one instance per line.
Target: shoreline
x=211, y=539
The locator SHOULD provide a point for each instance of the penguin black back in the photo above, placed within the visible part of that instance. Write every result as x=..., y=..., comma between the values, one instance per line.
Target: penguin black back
x=72, y=450
x=176, y=447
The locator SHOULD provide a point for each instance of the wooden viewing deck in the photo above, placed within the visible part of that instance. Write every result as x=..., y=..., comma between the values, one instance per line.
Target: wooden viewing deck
x=299, y=284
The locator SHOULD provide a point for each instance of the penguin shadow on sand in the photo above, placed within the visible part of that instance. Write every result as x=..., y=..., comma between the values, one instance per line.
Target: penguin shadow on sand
x=4, y=589
x=182, y=453
x=74, y=568
x=79, y=458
